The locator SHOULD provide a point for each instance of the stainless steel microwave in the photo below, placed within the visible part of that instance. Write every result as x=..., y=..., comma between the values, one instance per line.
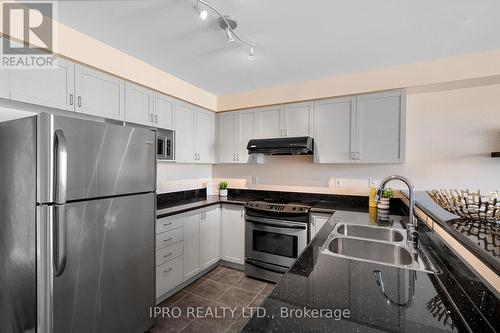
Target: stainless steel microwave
x=165, y=145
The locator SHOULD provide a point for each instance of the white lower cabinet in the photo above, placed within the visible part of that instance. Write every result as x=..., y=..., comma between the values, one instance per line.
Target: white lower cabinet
x=317, y=221
x=186, y=244
x=210, y=237
x=191, y=244
x=168, y=276
x=233, y=234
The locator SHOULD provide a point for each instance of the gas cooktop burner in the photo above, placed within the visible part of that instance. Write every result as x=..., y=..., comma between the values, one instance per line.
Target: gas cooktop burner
x=278, y=205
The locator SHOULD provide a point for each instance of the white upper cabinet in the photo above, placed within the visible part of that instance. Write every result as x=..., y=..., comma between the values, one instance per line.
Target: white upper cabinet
x=246, y=129
x=204, y=132
x=184, y=132
x=99, y=94
x=4, y=82
x=381, y=127
x=333, y=131
x=210, y=237
x=361, y=129
x=298, y=119
x=164, y=111
x=235, y=130
x=48, y=87
x=270, y=122
x=138, y=104
x=227, y=137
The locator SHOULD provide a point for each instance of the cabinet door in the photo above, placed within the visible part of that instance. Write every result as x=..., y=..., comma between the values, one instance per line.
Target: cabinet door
x=204, y=136
x=245, y=131
x=333, y=130
x=270, y=122
x=184, y=132
x=48, y=87
x=381, y=127
x=210, y=239
x=191, y=245
x=233, y=234
x=227, y=135
x=4, y=82
x=298, y=119
x=164, y=111
x=99, y=94
x=138, y=104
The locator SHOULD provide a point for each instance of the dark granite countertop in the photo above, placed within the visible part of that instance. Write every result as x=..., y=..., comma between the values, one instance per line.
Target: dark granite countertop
x=318, y=281
x=480, y=238
x=320, y=203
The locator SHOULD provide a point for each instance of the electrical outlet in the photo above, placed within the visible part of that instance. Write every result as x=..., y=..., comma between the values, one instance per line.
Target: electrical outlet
x=374, y=182
x=338, y=182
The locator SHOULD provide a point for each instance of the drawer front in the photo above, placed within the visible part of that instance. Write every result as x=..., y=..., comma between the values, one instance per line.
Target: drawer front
x=169, y=223
x=168, y=276
x=168, y=253
x=168, y=238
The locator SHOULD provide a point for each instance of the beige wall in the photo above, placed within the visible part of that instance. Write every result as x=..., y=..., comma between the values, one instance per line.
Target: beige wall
x=450, y=135
x=453, y=69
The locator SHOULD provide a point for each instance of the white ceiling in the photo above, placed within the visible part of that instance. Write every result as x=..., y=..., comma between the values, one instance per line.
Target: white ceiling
x=297, y=39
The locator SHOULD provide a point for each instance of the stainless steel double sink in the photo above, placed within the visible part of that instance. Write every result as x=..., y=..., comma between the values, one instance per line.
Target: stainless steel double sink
x=386, y=246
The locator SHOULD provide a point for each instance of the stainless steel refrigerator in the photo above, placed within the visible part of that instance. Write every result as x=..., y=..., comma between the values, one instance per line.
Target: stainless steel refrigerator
x=77, y=212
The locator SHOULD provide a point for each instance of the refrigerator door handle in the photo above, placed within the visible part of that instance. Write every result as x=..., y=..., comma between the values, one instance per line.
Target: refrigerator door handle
x=60, y=167
x=59, y=238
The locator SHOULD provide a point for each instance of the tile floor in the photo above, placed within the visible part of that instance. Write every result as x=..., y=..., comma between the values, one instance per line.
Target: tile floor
x=220, y=289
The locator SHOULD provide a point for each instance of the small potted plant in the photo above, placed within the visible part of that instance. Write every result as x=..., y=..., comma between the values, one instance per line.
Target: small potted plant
x=384, y=202
x=223, y=189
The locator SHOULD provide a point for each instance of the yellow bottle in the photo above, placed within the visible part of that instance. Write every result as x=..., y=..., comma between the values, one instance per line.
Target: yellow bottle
x=372, y=201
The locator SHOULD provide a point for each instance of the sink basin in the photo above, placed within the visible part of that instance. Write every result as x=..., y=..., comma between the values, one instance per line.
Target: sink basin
x=363, y=249
x=367, y=232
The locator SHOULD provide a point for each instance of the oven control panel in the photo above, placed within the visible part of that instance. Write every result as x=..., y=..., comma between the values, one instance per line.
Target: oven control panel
x=278, y=207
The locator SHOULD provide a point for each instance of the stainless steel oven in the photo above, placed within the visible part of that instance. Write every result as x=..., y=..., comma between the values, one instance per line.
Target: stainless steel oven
x=275, y=235
x=165, y=145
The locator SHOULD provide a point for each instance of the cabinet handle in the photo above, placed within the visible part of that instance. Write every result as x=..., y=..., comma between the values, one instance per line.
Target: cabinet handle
x=156, y=118
x=241, y=212
x=167, y=240
x=234, y=157
x=168, y=270
x=167, y=255
x=70, y=99
x=165, y=224
x=238, y=157
x=79, y=101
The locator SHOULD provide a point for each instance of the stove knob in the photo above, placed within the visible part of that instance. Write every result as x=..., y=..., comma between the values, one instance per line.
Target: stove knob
x=301, y=209
x=294, y=208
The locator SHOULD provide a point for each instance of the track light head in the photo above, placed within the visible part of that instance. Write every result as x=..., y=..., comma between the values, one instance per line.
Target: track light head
x=251, y=53
x=203, y=13
x=229, y=35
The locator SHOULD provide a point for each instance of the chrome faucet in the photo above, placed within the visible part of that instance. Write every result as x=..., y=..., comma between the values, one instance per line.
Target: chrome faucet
x=411, y=227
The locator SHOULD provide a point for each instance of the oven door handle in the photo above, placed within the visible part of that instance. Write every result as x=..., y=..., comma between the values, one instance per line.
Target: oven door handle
x=276, y=223
x=267, y=267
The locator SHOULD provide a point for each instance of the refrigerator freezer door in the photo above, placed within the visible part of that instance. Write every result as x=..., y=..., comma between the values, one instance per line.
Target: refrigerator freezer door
x=107, y=284
x=103, y=159
x=17, y=225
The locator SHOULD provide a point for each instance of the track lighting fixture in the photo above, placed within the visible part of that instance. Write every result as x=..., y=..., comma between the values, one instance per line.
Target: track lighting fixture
x=251, y=53
x=226, y=23
x=203, y=14
x=229, y=35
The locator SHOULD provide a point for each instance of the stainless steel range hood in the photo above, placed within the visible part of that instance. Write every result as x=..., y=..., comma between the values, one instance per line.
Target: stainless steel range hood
x=281, y=146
